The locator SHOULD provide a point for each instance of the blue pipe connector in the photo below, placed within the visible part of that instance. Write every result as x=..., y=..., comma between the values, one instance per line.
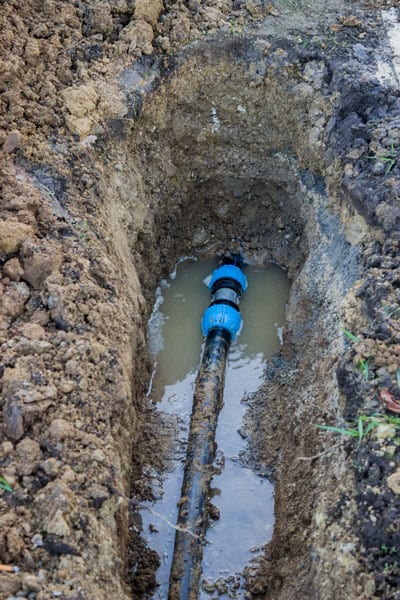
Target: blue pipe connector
x=227, y=285
x=230, y=272
x=221, y=316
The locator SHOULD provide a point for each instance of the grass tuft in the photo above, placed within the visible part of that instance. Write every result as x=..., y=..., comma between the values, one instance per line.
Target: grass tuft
x=364, y=425
x=4, y=485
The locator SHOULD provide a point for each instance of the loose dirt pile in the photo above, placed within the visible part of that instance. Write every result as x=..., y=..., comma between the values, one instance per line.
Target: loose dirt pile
x=133, y=133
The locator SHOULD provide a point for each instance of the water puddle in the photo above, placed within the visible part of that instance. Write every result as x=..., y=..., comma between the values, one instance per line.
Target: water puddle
x=243, y=497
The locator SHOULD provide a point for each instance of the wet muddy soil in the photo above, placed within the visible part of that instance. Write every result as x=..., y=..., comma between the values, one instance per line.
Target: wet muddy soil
x=134, y=133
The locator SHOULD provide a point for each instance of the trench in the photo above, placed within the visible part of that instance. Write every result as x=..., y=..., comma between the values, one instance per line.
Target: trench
x=243, y=496
x=229, y=156
x=275, y=139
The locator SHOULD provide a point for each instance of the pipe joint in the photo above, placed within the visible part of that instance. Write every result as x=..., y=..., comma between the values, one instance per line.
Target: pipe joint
x=221, y=316
x=227, y=285
x=228, y=272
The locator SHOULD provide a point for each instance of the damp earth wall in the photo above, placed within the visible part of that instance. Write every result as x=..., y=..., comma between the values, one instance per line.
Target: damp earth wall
x=268, y=134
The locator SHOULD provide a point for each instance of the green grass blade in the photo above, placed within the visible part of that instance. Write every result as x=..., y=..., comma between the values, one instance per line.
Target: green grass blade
x=4, y=485
x=360, y=428
x=370, y=426
x=342, y=430
x=363, y=365
x=350, y=335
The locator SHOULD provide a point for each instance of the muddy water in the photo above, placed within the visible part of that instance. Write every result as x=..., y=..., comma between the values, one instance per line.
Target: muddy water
x=243, y=496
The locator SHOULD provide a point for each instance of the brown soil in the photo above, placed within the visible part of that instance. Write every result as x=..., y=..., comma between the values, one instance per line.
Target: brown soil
x=135, y=133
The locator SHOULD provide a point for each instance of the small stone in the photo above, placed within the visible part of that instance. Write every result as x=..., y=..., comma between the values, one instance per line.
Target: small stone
x=72, y=367
x=200, y=237
x=5, y=449
x=22, y=289
x=67, y=386
x=320, y=519
x=13, y=141
x=393, y=482
x=41, y=347
x=13, y=269
x=98, y=456
x=33, y=331
x=58, y=525
x=13, y=419
x=29, y=453
x=30, y=583
x=385, y=431
x=60, y=429
x=68, y=476
x=50, y=466
x=37, y=540
x=14, y=299
x=12, y=234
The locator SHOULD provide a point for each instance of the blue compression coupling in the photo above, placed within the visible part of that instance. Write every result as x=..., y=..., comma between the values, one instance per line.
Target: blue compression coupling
x=224, y=316
x=227, y=283
x=229, y=272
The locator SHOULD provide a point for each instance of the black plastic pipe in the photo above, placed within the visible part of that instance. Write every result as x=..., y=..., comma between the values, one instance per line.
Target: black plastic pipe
x=221, y=323
x=195, y=495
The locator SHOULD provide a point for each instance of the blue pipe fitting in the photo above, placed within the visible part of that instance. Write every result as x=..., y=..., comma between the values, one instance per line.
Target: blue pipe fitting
x=222, y=316
x=227, y=284
x=229, y=272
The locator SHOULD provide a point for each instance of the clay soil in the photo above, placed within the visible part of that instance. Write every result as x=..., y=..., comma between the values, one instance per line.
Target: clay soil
x=133, y=133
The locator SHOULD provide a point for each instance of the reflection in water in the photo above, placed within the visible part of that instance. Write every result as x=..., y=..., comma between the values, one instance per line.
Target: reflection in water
x=244, y=499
